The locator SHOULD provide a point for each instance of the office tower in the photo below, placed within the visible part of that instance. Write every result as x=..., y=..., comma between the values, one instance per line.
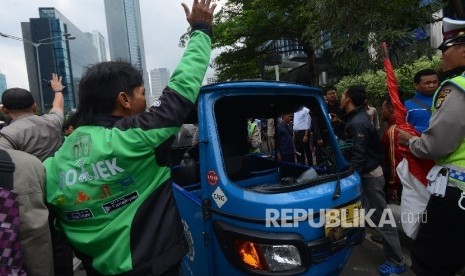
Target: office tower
x=159, y=78
x=63, y=49
x=2, y=84
x=125, y=39
x=98, y=40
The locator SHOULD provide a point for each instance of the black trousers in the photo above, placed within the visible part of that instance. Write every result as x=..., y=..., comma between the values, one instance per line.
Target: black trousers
x=303, y=148
x=440, y=246
x=62, y=250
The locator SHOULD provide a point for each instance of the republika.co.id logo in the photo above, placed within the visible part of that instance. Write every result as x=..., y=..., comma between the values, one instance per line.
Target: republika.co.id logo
x=343, y=217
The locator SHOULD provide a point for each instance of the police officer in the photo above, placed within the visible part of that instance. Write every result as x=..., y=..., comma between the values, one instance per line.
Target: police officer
x=440, y=245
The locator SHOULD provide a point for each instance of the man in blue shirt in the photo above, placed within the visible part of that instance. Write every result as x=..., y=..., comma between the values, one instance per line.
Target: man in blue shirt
x=419, y=107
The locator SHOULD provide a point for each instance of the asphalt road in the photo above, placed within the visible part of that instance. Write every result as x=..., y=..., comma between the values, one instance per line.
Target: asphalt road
x=368, y=255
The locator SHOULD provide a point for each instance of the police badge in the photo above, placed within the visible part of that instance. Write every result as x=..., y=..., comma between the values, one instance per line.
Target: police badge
x=442, y=96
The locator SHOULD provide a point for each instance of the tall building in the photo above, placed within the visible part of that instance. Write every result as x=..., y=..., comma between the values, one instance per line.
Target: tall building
x=57, y=53
x=99, y=43
x=159, y=78
x=2, y=84
x=125, y=39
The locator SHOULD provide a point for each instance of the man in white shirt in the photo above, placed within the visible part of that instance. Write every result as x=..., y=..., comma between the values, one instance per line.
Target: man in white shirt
x=302, y=135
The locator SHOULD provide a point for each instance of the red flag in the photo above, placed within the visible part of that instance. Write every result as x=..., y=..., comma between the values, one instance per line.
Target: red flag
x=417, y=167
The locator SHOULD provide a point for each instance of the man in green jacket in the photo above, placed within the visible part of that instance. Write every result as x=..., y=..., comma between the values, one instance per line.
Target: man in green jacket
x=110, y=183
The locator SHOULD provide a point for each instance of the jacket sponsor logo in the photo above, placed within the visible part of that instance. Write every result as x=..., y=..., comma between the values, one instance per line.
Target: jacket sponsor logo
x=156, y=103
x=79, y=214
x=82, y=146
x=125, y=182
x=81, y=198
x=94, y=171
x=84, y=176
x=60, y=201
x=120, y=202
x=106, y=191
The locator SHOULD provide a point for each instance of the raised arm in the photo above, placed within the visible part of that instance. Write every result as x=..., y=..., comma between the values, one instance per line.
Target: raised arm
x=57, y=88
x=169, y=112
x=202, y=12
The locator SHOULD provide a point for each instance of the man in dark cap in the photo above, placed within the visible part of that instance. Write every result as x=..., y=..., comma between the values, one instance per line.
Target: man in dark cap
x=440, y=244
x=37, y=135
x=40, y=136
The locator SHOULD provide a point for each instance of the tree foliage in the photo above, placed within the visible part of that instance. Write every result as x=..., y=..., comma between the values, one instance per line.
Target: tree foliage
x=242, y=26
x=353, y=27
x=375, y=81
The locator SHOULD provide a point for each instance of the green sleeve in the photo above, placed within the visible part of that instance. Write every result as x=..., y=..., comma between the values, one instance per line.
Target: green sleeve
x=189, y=74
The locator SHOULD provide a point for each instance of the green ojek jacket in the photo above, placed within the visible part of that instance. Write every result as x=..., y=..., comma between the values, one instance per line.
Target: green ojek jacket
x=110, y=184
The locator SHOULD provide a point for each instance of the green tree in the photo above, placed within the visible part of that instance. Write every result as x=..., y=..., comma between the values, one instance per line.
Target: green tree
x=355, y=30
x=242, y=26
x=375, y=81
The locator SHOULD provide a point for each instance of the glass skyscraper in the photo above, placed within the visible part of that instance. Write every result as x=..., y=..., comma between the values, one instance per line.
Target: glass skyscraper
x=67, y=58
x=99, y=43
x=159, y=79
x=125, y=38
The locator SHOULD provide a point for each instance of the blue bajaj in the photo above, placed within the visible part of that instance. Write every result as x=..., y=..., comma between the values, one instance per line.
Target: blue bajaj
x=244, y=210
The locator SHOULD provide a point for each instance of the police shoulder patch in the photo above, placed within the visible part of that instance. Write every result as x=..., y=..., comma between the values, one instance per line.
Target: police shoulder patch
x=442, y=96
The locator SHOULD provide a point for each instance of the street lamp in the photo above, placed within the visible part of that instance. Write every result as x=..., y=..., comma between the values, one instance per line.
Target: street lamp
x=36, y=45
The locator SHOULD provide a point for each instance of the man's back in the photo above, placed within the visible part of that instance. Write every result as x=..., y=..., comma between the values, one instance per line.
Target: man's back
x=367, y=151
x=37, y=135
x=34, y=230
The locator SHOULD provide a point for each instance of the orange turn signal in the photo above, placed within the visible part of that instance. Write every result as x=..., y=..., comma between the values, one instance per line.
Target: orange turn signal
x=251, y=255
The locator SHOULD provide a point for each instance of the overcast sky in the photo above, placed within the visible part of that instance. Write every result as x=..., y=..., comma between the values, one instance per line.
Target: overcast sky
x=163, y=22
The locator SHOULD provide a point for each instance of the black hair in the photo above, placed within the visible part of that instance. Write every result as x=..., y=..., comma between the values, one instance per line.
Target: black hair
x=100, y=85
x=421, y=73
x=327, y=89
x=388, y=101
x=70, y=121
x=17, y=99
x=357, y=94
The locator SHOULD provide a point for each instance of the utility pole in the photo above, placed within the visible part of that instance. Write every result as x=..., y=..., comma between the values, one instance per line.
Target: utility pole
x=36, y=45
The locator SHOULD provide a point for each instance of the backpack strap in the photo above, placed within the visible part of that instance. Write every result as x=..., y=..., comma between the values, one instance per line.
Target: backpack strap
x=6, y=170
x=421, y=104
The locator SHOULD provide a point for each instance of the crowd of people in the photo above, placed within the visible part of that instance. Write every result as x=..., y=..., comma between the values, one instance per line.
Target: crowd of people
x=114, y=147
x=434, y=112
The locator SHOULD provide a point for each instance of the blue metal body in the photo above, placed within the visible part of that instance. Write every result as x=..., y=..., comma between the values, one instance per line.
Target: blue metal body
x=244, y=209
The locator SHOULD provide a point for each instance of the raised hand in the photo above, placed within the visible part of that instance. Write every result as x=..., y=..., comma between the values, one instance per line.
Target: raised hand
x=202, y=11
x=55, y=83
